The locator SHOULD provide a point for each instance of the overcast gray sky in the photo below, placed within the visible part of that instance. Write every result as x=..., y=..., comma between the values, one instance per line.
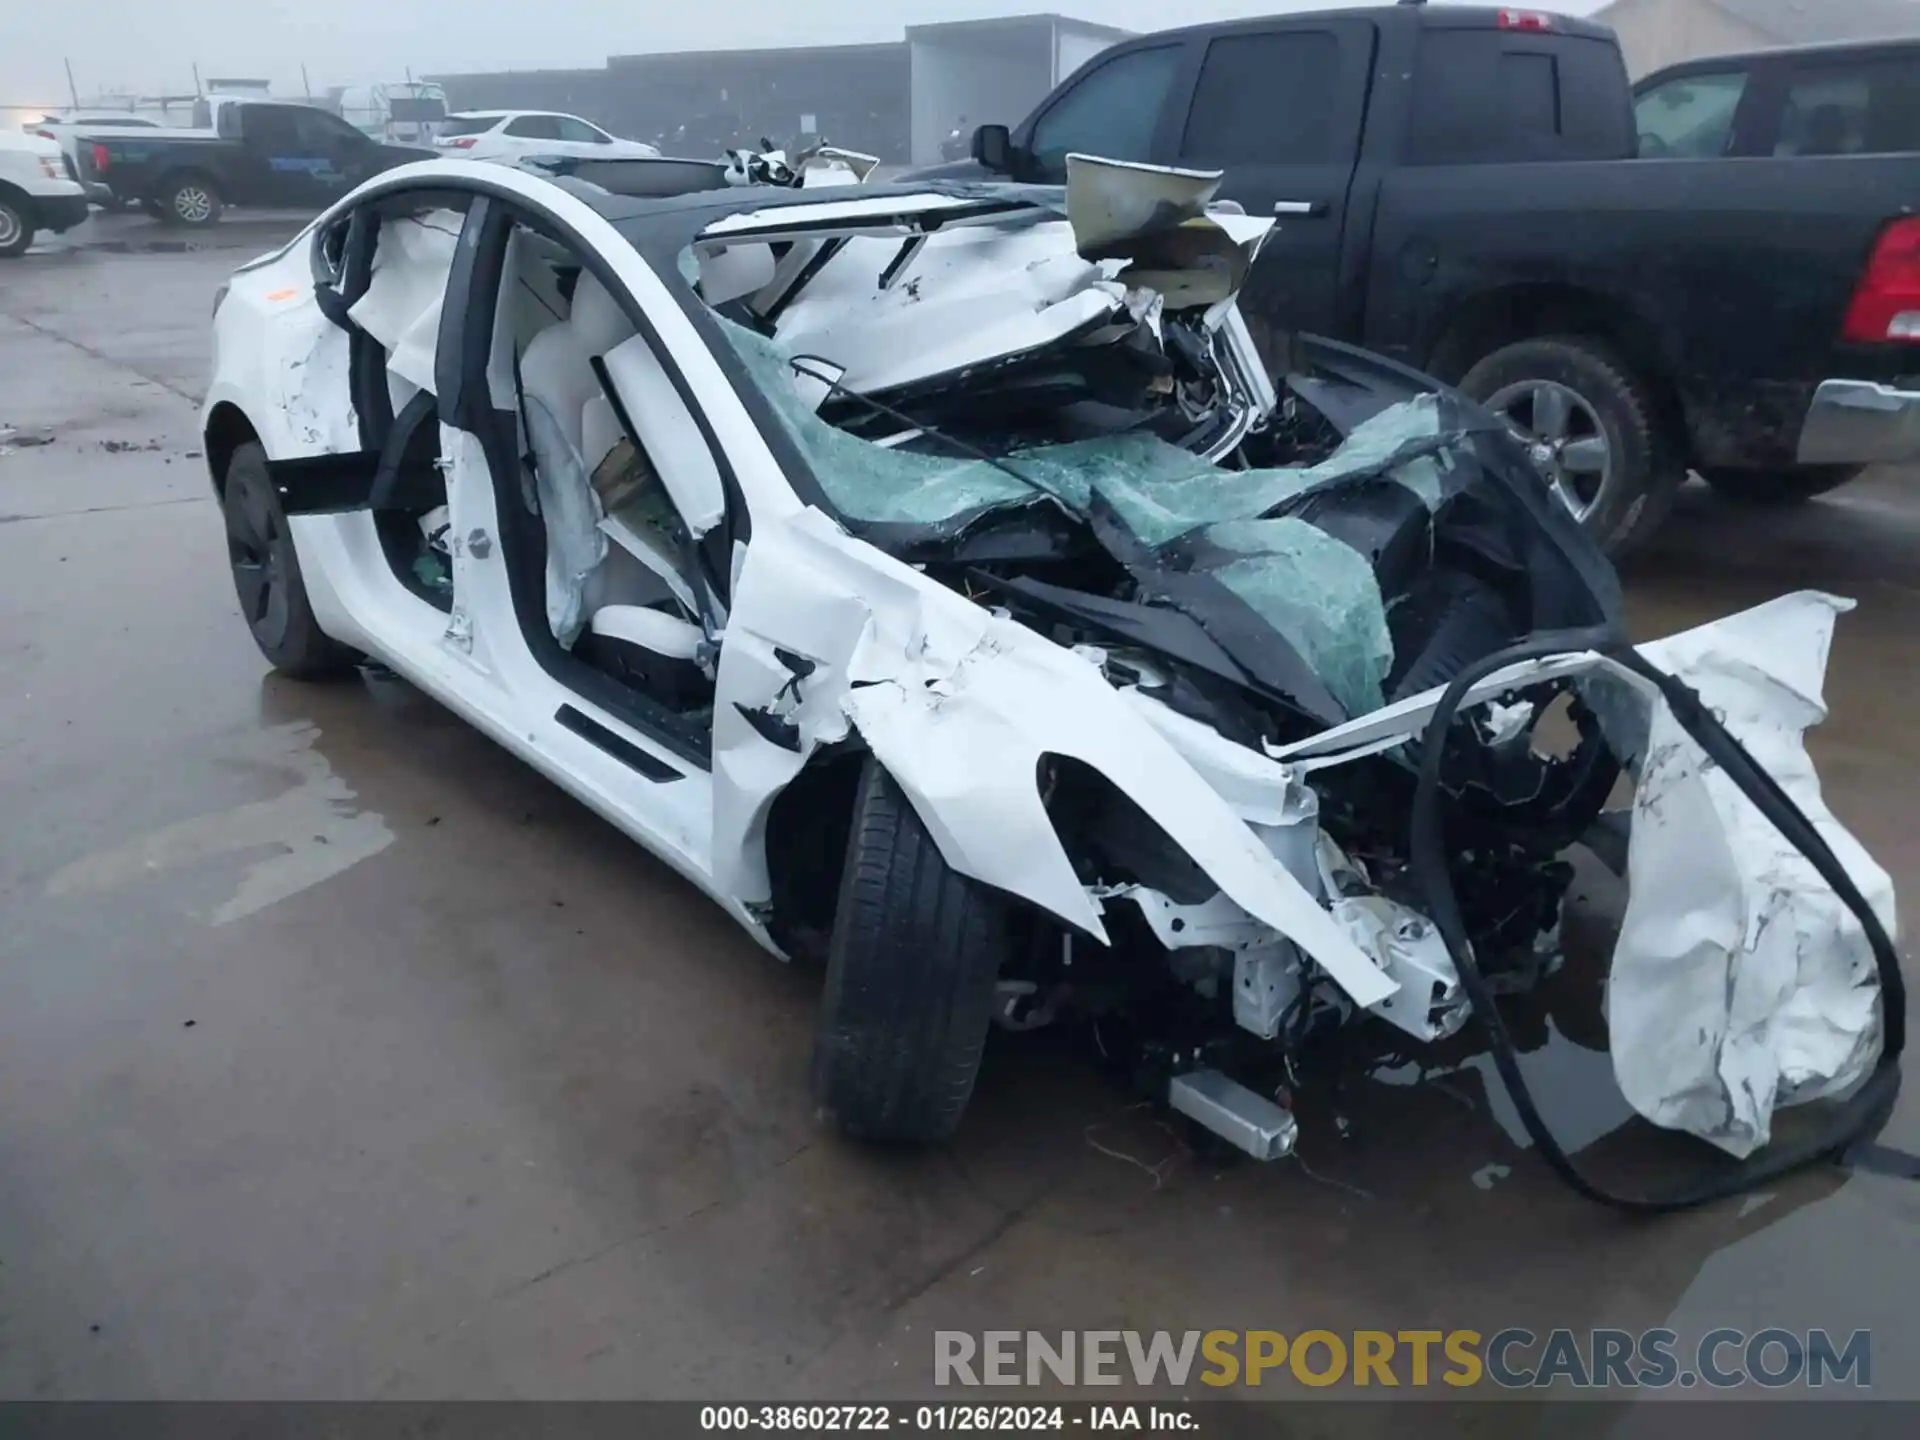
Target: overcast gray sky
x=150, y=46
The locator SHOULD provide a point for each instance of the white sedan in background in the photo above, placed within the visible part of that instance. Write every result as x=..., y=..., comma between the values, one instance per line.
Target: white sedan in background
x=510, y=134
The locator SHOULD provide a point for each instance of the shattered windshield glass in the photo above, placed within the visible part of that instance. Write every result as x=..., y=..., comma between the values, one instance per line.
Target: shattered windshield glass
x=1317, y=591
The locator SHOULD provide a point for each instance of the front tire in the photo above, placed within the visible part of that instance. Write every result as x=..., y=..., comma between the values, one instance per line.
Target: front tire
x=190, y=200
x=266, y=575
x=910, y=978
x=1593, y=428
x=17, y=224
x=1790, y=485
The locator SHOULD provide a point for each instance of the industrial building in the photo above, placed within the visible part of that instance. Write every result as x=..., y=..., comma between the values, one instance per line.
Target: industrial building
x=897, y=99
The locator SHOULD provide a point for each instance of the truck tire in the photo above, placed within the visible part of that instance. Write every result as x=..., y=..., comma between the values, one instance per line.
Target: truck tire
x=191, y=199
x=1790, y=485
x=1609, y=460
x=17, y=223
x=266, y=575
x=910, y=978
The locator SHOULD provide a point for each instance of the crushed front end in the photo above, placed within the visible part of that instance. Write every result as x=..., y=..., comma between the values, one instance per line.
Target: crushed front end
x=1211, y=599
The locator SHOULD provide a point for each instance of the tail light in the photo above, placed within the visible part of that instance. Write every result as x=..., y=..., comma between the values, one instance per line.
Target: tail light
x=1524, y=20
x=47, y=135
x=464, y=142
x=102, y=157
x=1886, y=302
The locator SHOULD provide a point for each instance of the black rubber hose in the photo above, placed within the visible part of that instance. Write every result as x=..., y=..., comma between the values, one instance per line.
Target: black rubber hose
x=1856, y=1119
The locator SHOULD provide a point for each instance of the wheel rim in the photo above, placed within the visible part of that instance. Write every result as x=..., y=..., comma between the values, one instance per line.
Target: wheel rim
x=10, y=226
x=1564, y=439
x=256, y=549
x=192, y=203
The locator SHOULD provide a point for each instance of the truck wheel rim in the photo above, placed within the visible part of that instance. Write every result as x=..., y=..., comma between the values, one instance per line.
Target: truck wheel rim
x=190, y=202
x=10, y=226
x=1564, y=439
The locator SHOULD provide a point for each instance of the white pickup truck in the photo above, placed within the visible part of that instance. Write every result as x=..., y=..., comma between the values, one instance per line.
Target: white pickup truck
x=38, y=191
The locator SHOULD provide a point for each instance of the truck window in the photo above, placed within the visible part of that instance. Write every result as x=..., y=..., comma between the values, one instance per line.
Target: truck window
x=535, y=127
x=264, y=125
x=1266, y=99
x=1859, y=107
x=321, y=133
x=1691, y=116
x=1111, y=111
x=295, y=129
x=1485, y=96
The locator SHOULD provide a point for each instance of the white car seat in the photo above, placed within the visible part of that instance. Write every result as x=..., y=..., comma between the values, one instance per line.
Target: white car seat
x=570, y=430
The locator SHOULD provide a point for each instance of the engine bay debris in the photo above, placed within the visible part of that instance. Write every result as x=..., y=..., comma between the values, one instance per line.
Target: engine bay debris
x=1003, y=405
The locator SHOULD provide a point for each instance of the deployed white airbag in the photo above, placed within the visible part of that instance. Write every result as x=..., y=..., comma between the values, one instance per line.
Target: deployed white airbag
x=401, y=308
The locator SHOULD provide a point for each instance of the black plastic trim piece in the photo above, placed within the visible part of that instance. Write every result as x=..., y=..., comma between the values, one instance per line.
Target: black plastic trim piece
x=618, y=746
x=324, y=484
x=396, y=488
x=460, y=367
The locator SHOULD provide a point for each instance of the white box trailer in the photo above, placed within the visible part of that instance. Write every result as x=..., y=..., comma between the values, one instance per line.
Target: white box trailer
x=980, y=72
x=409, y=112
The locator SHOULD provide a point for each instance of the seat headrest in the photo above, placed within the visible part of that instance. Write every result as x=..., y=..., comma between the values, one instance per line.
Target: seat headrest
x=597, y=321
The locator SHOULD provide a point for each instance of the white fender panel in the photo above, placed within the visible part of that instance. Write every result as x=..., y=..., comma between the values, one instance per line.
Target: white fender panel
x=960, y=706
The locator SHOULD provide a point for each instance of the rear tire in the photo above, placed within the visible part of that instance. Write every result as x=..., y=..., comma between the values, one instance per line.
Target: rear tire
x=266, y=575
x=1638, y=490
x=190, y=200
x=910, y=978
x=1790, y=485
x=17, y=224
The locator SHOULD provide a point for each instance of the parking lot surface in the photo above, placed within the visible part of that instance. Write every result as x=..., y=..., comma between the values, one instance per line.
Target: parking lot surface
x=343, y=1056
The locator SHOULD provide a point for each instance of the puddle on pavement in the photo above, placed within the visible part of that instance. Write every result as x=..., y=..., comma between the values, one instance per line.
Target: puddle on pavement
x=309, y=833
x=12, y=438
x=1573, y=1086
x=1559, y=1032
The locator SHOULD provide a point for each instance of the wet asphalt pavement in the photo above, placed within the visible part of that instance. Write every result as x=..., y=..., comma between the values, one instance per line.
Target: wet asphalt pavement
x=343, y=1056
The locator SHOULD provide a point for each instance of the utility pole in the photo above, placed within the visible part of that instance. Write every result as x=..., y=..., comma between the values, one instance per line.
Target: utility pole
x=196, y=78
x=306, y=84
x=73, y=91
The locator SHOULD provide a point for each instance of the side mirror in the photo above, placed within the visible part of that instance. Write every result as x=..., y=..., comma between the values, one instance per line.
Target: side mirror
x=993, y=148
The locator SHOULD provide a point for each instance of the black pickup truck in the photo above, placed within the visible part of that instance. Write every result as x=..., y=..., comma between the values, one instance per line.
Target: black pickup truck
x=1462, y=189
x=260, y=152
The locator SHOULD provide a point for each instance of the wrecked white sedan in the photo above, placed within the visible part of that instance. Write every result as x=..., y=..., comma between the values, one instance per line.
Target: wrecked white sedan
x=939, y=577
